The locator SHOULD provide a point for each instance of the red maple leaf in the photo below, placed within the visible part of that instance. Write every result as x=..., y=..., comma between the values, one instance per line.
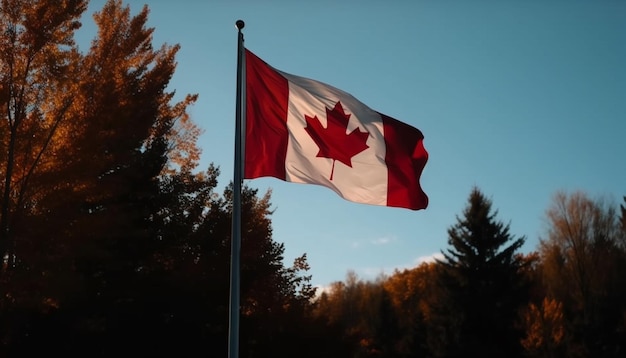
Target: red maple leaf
x=333, y=141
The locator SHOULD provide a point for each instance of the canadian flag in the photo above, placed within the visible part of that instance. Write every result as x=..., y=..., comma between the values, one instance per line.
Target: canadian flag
x=304, y=131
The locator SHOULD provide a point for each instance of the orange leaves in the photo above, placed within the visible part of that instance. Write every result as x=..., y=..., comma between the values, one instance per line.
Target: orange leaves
x=76, y=121
x=544, y=326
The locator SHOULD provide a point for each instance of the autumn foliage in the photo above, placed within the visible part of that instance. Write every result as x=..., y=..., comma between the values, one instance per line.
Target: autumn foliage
x=114, y=243
x=486, y=299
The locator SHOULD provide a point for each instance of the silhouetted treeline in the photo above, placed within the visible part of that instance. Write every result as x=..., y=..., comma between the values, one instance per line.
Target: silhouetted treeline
x=485, y=299
x=113, y=243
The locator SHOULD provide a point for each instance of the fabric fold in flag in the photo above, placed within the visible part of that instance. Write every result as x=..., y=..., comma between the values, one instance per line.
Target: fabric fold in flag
x=304, y=131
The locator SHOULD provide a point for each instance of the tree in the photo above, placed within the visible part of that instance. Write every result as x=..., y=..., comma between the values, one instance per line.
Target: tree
x=85, y=142
x=412, y=294
x=623, y=224
x=583, y=263
x=362, y=311
x=544, y=333
x=78, y=123
x=38, y=64
x=482, y=287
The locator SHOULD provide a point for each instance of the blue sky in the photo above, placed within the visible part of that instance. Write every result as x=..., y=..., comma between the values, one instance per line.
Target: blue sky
x=518, y=98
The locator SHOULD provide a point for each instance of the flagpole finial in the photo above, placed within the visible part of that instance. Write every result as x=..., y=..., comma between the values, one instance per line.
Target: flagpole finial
x=240, y=24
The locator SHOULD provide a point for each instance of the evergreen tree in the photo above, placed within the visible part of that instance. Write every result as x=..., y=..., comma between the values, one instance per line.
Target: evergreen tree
x=481, y=287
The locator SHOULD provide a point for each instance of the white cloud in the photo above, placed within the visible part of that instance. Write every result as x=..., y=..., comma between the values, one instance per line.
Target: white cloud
x=429, y=258
x=372, y=273
x=383, y=240
x=319, y=290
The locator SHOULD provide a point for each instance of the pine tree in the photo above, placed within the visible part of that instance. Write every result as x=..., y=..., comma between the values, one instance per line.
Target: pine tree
x=481, y=286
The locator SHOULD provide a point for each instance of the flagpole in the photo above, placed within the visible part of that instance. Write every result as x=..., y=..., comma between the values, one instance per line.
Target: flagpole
x=233, y=335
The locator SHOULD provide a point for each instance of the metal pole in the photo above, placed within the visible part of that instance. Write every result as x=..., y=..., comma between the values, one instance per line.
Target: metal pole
x=233, y=336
